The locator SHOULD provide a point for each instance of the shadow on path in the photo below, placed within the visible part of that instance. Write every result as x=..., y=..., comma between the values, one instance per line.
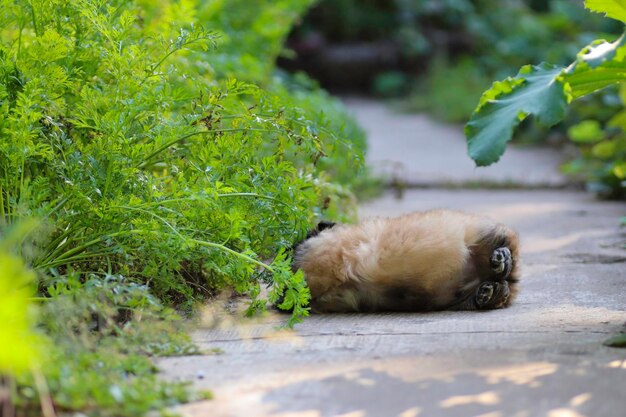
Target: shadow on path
x=492, y=392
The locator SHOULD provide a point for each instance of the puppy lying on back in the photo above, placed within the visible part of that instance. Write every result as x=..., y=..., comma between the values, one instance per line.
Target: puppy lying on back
x=423, y=261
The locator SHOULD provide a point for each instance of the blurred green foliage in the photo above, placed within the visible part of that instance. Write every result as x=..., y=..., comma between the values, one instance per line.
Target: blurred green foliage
x=602, y=159
x=20, y=345
x=166, y=160
x=545, y=91
x=104, y=329
x=449, y=91
x=442, y=43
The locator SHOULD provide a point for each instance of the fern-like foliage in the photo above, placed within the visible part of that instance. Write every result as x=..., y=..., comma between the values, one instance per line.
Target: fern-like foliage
x=148, y=153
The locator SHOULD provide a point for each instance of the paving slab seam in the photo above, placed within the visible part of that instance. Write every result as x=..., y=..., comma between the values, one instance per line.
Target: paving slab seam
x=319, y=335
x=400, y=184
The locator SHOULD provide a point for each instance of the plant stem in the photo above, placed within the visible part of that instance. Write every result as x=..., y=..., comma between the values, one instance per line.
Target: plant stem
x=232, y=252
x=34, y=19
x=39, y=299
x=2, y=214
x=77, y=258
x=158, y=64
x=47, y=408
x=6, y=395
x=181, y=199
x=202, y=132
x=67, y=255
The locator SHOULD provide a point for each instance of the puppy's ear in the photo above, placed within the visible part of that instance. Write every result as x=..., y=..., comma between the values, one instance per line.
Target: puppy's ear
x=321, y=226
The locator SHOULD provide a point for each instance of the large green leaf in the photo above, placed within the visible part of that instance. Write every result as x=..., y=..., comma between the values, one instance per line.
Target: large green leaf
x=611, y=8
x=536, y=90
x=543, y=91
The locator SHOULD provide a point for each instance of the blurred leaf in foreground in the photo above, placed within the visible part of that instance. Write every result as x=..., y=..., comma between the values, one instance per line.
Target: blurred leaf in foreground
x=615, y=9
x=19, y=344
x=616, y=341
x=587, y=131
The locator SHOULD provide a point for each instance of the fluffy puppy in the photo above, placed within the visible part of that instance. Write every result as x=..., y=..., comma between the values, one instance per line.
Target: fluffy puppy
x=423, y=261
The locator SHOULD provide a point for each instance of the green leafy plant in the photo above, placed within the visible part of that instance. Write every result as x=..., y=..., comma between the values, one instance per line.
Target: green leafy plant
x=142, y=159
x=545, y=91
x=434, y=41
x=103, y=332
x=166, y=161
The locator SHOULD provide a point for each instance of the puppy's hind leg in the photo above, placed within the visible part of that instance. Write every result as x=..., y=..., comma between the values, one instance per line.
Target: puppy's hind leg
x=494, y=252
x=494, y=257
x=492, y=294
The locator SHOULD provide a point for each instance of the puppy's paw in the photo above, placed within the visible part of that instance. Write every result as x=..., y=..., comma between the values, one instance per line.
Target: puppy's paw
x=492, y=294
x=501, y=262
x=484, y=293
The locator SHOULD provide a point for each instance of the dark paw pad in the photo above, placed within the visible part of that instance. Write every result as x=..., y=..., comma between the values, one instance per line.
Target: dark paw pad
x=501, y=262
x=484, y=293
x=492, y=294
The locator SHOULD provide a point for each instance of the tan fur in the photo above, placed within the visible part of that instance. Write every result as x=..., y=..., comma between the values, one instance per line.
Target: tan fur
x=421, y=261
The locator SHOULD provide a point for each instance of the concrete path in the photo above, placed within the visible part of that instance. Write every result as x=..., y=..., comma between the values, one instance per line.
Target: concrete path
x=419, y=151
x=541, y=357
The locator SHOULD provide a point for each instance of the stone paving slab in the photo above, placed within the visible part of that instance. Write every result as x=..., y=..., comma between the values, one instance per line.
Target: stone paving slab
x=418, y=151
x=543, y=356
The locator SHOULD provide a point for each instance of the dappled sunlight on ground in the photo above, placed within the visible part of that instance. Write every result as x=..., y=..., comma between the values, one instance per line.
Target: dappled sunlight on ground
x=514, y=212
x=619, y=364
x=564, y=412
x=309, y=413
x=486, y=398
x=525, y=374
x=580, y=399
x=497, y=414
x=411, y=412
x=232, y=324
x=572, y=317
x=491, y=392
x=543, y=244
x=538, y=244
